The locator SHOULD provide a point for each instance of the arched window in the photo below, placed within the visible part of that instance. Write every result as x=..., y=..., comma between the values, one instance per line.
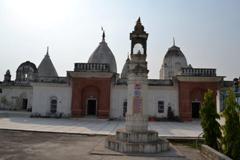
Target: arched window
x=138, y=48
x=53, y=105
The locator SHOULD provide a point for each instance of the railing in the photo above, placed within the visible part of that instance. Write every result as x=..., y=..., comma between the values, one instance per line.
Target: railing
x=199, y=72
x=93, y=67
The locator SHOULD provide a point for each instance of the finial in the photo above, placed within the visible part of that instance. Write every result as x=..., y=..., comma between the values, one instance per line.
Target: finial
x=173, y=41
x=139, y=20
x=47, y=50
x=103, y=35
x=8, y=71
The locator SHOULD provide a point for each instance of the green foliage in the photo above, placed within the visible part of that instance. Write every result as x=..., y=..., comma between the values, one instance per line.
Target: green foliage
x=231, y=129
x=211, y=128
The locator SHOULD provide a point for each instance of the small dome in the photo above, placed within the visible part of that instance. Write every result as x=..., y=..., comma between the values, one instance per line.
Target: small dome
x=46, y=68
x=26, y=71
x=125, y=69
x=28, y=64
x=173, y=61
x=174, y=51
x=103, y=54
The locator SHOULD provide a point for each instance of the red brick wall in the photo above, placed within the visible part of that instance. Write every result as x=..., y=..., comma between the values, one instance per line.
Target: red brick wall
x=84, y=88
x=192, y=91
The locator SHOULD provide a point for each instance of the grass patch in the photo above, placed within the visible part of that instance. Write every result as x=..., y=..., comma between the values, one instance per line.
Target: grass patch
x=193, y=143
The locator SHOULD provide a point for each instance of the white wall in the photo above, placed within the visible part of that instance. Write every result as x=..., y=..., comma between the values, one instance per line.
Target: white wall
x=118, y=96
x=168, y=94
x=42, y=93
x=14, y=96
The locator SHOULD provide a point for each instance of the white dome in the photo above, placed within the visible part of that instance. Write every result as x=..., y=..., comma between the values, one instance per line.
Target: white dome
x=125, y=69
x=173, y=61
x=103, y=54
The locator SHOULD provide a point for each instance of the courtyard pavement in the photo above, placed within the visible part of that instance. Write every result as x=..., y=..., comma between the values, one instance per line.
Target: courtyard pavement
x=93, y=126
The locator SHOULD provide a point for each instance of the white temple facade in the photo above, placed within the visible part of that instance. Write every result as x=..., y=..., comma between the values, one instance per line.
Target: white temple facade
x=96, y=88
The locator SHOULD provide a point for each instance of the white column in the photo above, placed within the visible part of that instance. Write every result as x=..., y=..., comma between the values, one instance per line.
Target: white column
x=136, y=118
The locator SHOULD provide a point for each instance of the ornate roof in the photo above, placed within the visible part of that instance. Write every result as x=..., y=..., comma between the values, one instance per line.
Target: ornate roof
x=173, y=61
x=139, y=28
x=174, y=51
x=30, y=64
x=46, y=67
x=103, y=54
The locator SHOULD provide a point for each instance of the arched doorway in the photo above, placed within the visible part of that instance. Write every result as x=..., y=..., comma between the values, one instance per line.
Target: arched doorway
x=90, y=99
x=86, y=85
x=197, y=95
x=23, y=104
x=195, y=109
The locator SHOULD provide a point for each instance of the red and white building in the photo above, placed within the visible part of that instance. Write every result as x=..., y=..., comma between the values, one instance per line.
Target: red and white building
x=96, y=88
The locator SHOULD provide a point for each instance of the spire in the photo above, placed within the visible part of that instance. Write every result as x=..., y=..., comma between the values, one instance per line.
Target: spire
x=139, y=27
x=47, y=50
x=138, y=35
x=173, y=41
x=139, y=20
x=103, y=34
x=7, y=76
x=46, y=67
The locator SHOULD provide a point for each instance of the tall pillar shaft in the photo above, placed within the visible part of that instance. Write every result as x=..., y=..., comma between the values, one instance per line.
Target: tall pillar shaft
x=136, y=118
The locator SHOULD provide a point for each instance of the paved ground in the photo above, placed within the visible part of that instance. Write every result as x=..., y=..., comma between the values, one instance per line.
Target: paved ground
x=96, y=126
x=17, y=145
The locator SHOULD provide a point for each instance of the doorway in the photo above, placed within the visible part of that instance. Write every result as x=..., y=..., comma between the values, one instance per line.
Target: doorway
x=24, y=103
x=195, y=109
x=92, y=107
x=124, y=108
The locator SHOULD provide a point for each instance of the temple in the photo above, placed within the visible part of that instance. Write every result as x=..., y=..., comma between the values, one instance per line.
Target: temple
x=96, y=88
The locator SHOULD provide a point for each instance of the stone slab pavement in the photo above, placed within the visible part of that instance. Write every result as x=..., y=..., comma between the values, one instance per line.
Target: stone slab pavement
x=25, y=145
x=93, y=126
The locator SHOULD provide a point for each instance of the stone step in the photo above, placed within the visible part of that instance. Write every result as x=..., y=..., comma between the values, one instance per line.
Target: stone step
x=6, y=113
x=158, y=146
x=136, y=137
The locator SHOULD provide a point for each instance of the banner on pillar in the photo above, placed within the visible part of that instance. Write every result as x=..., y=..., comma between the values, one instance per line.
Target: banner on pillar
x=137, y=99
x=137, y=104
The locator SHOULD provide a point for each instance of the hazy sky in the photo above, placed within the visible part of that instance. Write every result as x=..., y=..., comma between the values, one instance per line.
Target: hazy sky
x=207, y=31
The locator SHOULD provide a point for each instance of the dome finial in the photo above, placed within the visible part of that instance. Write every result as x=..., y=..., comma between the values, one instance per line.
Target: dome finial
x=103, y=35
x=47, y=50
x=173, y=41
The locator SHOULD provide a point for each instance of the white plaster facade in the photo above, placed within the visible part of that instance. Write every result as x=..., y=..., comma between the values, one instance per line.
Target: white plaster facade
x=42, y=94
x=118, y=97
x=12, y=97
x=167, y=94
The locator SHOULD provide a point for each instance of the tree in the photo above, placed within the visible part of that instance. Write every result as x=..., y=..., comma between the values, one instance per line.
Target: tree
x=231, y=128
x=211, y=128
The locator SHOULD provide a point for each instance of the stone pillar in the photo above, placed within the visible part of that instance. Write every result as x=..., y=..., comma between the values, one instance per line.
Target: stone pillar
x=136, y=118
x=135, y=137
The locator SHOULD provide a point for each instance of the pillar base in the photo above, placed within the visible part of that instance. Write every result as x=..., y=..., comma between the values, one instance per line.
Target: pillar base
x=136, y=123
x=136, y=142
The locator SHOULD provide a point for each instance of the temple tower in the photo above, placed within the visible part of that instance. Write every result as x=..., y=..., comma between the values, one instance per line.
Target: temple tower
x=137, y=119
x=135, y=137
